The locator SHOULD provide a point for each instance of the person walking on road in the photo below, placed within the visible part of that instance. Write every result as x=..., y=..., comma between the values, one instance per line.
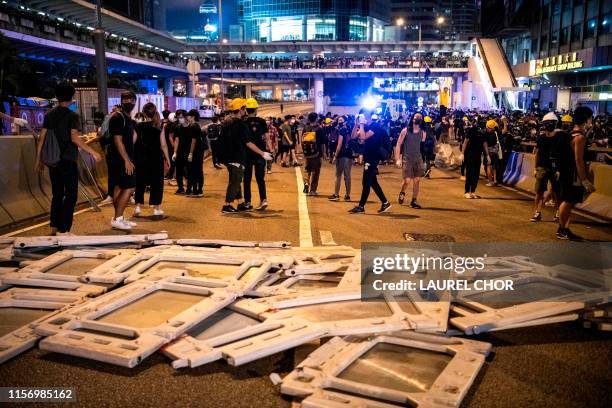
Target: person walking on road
x=408, y=157
x=182, y=140
x=371, y=136
x=195, y=157
x=474, y=147
x=62, y=124
x=494, y=153
x=311, y=148
x=121, y=127
x=343, y=158
x=234, y=141
x=151, y=154
x=573, y=174
x=545, y=164
x=258, y=135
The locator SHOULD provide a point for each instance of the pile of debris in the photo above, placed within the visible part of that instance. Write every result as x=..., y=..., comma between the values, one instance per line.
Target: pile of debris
x=121, y=299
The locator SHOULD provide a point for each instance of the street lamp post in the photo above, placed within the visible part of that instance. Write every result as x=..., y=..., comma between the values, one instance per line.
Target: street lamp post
x=220, y=39
x=99, y=41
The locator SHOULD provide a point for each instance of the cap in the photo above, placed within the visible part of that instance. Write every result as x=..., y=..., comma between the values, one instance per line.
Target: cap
x=251, y=103
x=567, y=118
x=550, y=116
x=491, y=124
x=427, y=119
x=236, y=104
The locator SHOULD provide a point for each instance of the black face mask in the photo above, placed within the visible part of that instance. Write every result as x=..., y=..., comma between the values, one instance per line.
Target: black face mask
x=418, y=121
x=127, y=107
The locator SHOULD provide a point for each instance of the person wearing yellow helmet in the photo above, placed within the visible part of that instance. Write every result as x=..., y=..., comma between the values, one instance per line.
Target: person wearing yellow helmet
x=258, y=135
x=427, y=119
x=233, y=144
x=494, y=153
x=567, y=122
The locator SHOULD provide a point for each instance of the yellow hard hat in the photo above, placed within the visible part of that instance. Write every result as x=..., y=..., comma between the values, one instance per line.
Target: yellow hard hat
x=236, y=104
x=427, y=119
x=328, y=120
x=465, y=118
x=567, y=118
x=251, y=103
x=491, y=124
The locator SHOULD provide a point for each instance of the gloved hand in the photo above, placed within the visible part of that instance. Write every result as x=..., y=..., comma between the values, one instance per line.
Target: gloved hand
x=190, y=157
x=588, y=186
x=20, y=122
x=267, y=156
x=174, y=157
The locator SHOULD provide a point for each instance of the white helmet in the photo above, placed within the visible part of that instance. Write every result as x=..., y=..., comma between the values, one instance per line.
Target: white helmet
x=550, y=116
x=172, y=117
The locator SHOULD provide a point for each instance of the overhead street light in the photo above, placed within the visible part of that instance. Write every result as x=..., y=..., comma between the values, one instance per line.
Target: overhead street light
x=400, y=22
x=440, y=20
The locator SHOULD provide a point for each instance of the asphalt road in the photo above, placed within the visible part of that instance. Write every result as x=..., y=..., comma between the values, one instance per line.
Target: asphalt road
x=559, y=365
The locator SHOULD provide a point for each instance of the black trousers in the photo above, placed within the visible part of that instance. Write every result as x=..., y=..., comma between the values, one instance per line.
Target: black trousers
x=196, y=173
x=64, y=189
x=110, y=186
x=370, y=181
x=214, y=151
x=182, y=172
x=472, y=173
x=259, y=164
x=150, y=172
x=234, y=190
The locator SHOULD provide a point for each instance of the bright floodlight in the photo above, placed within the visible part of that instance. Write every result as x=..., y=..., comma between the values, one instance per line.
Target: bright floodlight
x=399, y=22
x=369, y=103
x=440, y=20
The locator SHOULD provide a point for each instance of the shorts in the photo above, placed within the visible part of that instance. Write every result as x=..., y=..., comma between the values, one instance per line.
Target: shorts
x=117, y=173
x=543, y=177
x=571, y=193
x=413, y=168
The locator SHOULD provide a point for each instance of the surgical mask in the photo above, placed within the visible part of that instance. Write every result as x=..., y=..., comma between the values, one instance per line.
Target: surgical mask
x=127, y=107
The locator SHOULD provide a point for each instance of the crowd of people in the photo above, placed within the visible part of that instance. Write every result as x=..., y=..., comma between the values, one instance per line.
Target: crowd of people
x=151, y=150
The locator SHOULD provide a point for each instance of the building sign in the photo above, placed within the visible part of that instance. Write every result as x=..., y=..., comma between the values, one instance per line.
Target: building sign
x=557, y=63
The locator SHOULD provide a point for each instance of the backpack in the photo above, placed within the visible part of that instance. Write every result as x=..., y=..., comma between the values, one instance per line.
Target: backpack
x=51, y=152
x=213, y=131
x=309, y=145
x=222, y=146
x=105, y=137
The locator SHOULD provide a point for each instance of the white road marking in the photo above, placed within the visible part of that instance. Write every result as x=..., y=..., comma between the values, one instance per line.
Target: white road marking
x=327, y=238
x=305, y=230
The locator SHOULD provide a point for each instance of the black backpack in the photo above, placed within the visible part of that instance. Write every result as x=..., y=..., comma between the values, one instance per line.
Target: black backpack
x=213, y=131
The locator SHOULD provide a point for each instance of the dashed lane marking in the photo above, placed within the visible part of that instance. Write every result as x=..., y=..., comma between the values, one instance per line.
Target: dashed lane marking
x=305, y=229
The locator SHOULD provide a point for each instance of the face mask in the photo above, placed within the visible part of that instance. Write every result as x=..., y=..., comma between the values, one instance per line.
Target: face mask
x=418, y=121
x=550, y=126
x=127, y=107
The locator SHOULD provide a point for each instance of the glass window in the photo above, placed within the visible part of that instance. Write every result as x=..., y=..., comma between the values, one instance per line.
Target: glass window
x=591, y=28
x=592, y=8
x=606, y=21
x=564, y=36
x=556, y=7
x=578, y=13
x=576, y=32
x=544, y=44
x=554, y=39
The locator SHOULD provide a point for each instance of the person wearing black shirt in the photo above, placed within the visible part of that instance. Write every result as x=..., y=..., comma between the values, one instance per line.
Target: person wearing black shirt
x=182, y=139
x=121, y=128
x=63, y=124
x=167, y=127
x=195, y=157
x=258, y=135
x=371, y=137
x=235, y=142
x=343, y=159
x=545, y=165
x=474, y=146
x=150, y=155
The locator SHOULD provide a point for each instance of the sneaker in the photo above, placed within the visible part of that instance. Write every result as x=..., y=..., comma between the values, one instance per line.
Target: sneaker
x=244, y=207
x=357, y=210
x=120, y=224
x=467, y=195
x=490, y=184
x=414, y=204
x=107, y=201
x=262, y=206
x=172, y=182
x=462, y=178
x=137, y=211
x=188, y=192
x=384, y=207
x=305, y=191
x=198, y=194
x=566, y=234
x=158, y=213
x=129, y=222
x=313, y=193
x=180, y=191
x=347, y=198
x=473, y=195
x=334, y=197
x=228, y=209
x=537, y=216
x=269, y=171
x=427, y=173
x=400, y=198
